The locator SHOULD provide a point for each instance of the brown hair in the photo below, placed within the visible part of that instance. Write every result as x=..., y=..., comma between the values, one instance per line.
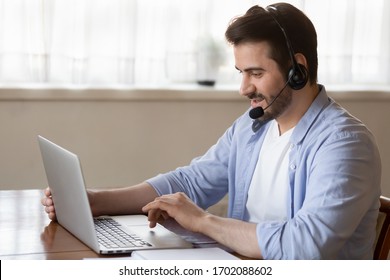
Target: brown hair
x=259, y=24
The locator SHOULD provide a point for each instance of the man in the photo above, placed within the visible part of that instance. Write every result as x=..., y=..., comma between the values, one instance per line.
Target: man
x=303, y=176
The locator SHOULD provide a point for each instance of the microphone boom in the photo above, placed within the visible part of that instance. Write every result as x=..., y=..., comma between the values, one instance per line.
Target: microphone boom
x=258, y=112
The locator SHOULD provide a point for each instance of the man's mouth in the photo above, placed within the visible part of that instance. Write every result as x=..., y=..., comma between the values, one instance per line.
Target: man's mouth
x=256, y=100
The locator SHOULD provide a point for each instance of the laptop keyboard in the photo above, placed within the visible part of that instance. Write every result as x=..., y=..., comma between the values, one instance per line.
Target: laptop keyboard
x=111, y=235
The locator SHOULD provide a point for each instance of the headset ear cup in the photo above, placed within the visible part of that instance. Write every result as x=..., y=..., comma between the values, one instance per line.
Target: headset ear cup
x=297, y=77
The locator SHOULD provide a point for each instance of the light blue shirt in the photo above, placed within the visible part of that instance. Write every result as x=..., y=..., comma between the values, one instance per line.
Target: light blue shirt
x=334, y=184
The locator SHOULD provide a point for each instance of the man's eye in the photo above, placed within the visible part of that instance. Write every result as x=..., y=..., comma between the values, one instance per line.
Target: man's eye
x=256, y=74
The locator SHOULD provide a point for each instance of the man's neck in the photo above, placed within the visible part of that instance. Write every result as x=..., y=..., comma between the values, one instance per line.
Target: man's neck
x=301, y=102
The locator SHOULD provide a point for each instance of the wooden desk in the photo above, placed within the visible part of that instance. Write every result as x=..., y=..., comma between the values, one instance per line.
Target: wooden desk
x=27, y=233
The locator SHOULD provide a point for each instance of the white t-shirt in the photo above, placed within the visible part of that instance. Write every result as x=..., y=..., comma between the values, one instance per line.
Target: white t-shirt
x=268, y=191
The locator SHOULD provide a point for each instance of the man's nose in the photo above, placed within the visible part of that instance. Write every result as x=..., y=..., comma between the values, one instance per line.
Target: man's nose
x=246, y=87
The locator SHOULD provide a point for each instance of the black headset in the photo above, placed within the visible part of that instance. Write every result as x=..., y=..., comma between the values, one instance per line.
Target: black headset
x=297, y=76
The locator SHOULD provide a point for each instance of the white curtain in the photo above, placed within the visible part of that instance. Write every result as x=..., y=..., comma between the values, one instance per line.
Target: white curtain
x=157, y=42
x=353, y=40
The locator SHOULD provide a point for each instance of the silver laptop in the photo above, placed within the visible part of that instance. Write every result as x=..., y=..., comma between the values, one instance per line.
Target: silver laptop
x=129, y=233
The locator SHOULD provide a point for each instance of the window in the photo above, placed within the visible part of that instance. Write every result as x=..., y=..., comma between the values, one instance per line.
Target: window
x=151, y=42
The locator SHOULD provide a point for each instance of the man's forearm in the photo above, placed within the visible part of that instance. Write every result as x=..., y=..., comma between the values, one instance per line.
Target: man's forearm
x=121, y=201
x=238, y=235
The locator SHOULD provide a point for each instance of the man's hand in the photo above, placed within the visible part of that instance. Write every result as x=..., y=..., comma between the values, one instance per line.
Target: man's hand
x=47, y=201
x=177, y=206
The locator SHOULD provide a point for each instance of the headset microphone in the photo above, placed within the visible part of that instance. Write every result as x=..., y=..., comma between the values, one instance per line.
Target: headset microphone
x=256, y=113
x=297, y=76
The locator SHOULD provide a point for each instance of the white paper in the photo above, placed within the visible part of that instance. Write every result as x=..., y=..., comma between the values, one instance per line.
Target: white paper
x=214, y=253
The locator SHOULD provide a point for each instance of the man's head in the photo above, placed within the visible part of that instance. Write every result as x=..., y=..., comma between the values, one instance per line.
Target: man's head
x=286, y=29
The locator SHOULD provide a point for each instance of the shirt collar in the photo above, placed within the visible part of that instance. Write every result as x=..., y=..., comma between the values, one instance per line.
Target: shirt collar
x=320, y=102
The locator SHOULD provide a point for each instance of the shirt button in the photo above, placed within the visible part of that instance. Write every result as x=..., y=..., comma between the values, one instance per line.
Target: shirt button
x=292, y=166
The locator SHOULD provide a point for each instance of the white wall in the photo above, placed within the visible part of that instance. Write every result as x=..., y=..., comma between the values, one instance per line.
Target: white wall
x=126, y=136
